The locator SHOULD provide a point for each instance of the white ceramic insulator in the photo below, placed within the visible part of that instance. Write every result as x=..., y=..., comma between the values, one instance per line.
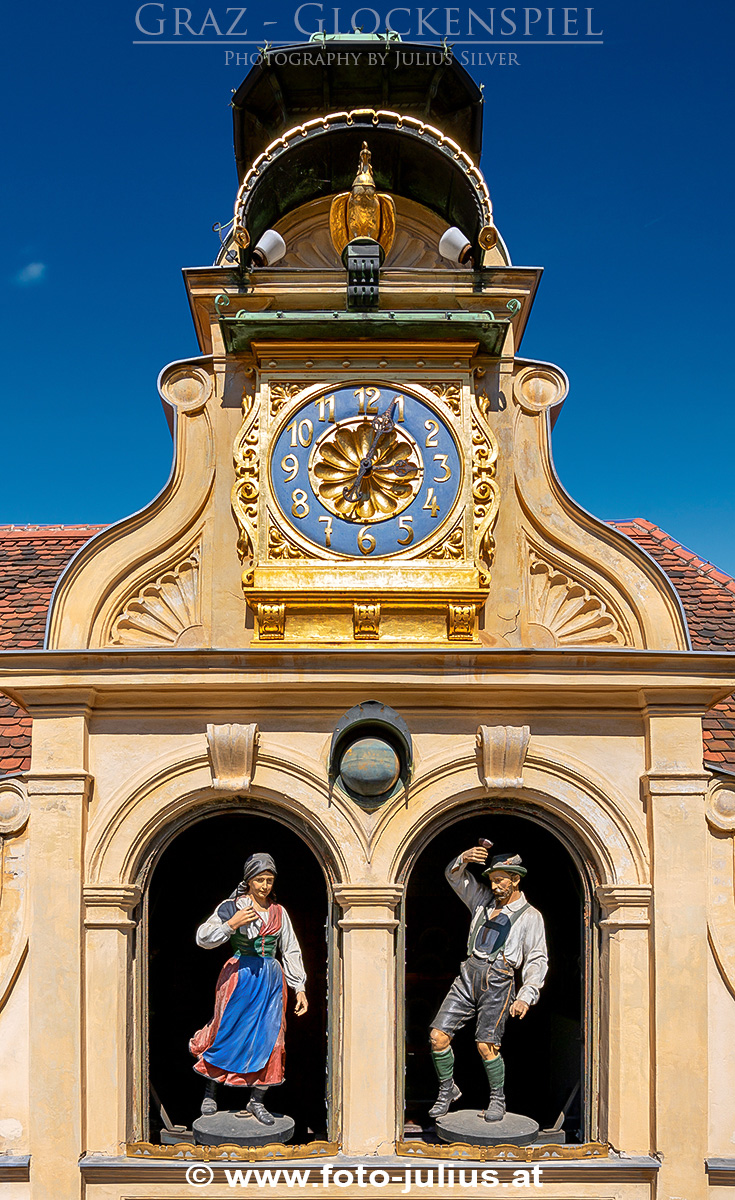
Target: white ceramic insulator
x=271, y=247
x=453, y=244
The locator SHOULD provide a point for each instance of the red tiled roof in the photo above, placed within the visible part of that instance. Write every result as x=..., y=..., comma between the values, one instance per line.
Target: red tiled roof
x=31, y=559
x=708, y=599
x=33, y=556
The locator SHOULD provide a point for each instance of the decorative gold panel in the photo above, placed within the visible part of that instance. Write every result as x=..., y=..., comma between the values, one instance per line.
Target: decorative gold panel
x=271, y=621
x=281, y=393
x=367, y=621
x=280, y=546
x=461, y=622
x=303, y=591
x=452, y=547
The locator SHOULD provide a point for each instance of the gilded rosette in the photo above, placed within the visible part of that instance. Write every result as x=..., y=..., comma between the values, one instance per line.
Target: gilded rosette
x=388, y=487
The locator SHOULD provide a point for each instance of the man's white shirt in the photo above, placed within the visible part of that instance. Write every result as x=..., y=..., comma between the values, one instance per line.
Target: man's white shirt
x=525, y=948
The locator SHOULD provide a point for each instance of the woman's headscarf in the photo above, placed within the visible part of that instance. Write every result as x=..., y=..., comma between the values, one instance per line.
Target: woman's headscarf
x=255, y=865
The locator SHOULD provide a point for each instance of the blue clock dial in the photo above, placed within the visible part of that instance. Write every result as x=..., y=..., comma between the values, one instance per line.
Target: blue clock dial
x=365, y=471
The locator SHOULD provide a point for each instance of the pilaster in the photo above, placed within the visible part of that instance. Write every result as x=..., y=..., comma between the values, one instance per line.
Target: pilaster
x=675, y=802
x=58, y=820
x=625, y=1083
x=108, y=1007
x=368, y=926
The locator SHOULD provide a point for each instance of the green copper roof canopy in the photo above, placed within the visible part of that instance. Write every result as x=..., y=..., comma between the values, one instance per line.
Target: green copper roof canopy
x=242, y=329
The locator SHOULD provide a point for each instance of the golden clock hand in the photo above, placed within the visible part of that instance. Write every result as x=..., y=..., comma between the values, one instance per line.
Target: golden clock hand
x=382, y=424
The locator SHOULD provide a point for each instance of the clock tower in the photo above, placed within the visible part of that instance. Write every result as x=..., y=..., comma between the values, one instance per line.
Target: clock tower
x=369, y=300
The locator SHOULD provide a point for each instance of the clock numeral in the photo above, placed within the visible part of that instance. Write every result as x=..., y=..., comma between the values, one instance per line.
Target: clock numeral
x=368, y=398
x=431, y=502
x=325, y=404
x=405, y=523
x=365, y=540
x=327, y=523
x=399, y=409
x=301, y=502
x=443, y=460
x=432, y=429
x=290, y=463
x=301, y=432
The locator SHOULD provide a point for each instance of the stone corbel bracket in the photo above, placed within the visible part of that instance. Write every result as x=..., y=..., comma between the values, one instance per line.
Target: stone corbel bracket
x=232, y=754
x=502, y=752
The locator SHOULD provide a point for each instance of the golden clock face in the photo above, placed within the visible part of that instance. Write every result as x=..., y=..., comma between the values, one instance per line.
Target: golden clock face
x=386, y=489
x=365, y=470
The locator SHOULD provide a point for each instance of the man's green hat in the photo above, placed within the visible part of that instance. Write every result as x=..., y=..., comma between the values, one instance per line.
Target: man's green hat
x=506, y=862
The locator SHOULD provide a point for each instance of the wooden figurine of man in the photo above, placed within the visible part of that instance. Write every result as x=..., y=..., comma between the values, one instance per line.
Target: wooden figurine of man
x=506, y=935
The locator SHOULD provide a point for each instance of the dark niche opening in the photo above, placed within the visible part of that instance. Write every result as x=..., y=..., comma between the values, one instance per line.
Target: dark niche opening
x=543, y=1052
x=198, y=870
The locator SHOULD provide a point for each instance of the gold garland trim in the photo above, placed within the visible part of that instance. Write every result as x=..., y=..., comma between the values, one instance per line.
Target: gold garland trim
x=506, y=1151
x=228, y=1151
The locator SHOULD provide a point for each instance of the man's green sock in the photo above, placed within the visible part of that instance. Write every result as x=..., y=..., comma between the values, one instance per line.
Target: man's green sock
x=495, y=1071
x=443, y=1063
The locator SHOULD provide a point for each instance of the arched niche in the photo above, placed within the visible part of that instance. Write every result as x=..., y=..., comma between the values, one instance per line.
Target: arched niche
x=130, y=836
x=601, y=839
x=548, y=1055
x=189, y=875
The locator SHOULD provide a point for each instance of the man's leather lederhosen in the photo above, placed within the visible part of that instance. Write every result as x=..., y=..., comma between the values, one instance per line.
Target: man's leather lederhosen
x=485, y=987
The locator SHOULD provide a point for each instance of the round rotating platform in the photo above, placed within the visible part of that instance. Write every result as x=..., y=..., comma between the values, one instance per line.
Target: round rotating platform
x=467, y=1125
x=223, y=1127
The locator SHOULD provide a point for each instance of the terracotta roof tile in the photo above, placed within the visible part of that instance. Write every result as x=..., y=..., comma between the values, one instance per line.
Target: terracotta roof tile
x=32, y=558
x=708, y=599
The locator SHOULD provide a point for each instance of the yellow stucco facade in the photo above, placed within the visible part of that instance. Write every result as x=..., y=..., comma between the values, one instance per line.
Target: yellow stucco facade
x=186, y=678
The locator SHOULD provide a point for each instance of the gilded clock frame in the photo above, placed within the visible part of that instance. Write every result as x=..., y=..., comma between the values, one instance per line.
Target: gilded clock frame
x=428, y=593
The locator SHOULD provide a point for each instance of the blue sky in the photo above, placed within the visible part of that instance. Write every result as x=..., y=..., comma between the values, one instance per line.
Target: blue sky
x=609, y=165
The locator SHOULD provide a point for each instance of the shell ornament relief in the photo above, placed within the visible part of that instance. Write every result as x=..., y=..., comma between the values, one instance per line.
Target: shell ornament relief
x=166, y=611
x=565, y=612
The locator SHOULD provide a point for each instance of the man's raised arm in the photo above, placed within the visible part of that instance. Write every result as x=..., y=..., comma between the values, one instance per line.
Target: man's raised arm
x=463, y=882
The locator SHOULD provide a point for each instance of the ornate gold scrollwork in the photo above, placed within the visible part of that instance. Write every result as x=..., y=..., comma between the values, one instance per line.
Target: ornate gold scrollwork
x=281, y=393
x=281, y=547
x=485, y=492
x=450, y=393
x=366, y=616
x=247, y=478
x=452, y=547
